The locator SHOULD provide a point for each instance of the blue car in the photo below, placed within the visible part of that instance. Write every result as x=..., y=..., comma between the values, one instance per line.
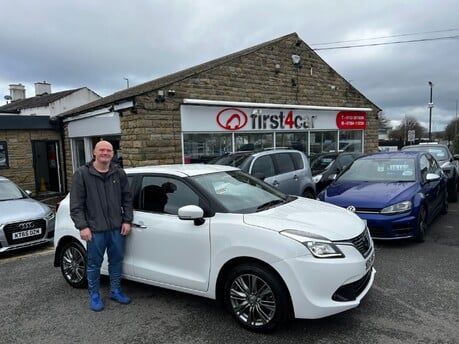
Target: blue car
x=397, y=193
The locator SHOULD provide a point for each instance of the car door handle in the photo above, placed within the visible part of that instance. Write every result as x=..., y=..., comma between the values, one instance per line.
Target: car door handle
x=136, y=225
x=295, y=177
x=275, y=183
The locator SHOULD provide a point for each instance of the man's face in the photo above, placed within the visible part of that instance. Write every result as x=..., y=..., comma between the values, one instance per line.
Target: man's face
x=103, y=152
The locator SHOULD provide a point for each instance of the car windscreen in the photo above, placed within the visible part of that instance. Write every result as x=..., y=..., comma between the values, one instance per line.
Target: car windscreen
x=9, y=191
x=229, y=160
x=322, y=163
x=239, y=192
x=380, y=170
x=440, y=153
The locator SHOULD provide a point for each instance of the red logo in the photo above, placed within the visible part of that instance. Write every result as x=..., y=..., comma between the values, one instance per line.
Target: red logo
x=351, y=120
x=232, y=119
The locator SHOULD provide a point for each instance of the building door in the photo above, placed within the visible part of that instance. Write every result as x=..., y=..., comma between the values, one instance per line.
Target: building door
x=46, y=166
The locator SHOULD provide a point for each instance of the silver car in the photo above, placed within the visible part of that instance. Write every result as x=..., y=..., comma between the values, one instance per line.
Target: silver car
x=23, y=220
x=286, y=169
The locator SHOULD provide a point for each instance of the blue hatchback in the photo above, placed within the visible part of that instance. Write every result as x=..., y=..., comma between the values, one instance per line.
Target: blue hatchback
x=397, y=193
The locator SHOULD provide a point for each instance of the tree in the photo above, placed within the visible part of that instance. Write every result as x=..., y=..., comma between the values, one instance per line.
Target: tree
x=383, y=122
x=452, y=129
x=401, y=132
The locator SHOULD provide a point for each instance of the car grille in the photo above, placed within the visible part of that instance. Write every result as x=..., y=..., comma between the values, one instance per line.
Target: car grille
x=363, y=243
x=401, y=229
x=349, y=292
x=11, y=228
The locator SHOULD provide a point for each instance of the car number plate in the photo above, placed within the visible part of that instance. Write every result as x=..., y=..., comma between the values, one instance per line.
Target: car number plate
x=26, y=233
x=370, y=261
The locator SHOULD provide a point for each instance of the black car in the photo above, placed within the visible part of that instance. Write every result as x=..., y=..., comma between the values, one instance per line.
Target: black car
x=326, y=166
x=448, y=163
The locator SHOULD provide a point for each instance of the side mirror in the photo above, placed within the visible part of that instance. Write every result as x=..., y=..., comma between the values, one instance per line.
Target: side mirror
x=192, y=212
x=432, y=176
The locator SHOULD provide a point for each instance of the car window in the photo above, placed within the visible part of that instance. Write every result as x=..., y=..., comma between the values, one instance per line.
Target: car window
x=424, y=166
x=297, y=160
x=263, y=165
x=284, y=162
x=380, y=170
x=165, y=195
x=322, y=162
x=345, y=160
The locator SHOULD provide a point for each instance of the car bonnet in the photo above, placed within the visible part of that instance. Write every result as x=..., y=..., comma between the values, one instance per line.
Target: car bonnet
x=21, y=210
x=310, y=216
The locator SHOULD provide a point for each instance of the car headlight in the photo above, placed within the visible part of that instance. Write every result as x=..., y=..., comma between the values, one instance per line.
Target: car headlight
x=397, y=208
x=319, y=247
x=317, y=178
x=50, y=216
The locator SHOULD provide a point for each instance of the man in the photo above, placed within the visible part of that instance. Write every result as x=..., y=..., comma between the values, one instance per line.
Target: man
x=101, y=208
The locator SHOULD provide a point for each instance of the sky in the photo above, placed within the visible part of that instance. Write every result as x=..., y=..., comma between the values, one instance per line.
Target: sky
x=106, y=45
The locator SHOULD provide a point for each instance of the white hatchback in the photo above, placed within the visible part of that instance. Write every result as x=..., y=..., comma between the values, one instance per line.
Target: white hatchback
x=220, y=233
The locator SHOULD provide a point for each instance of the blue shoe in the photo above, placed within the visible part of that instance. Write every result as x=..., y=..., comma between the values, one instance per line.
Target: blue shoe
x=95, y=302
x=120, y=297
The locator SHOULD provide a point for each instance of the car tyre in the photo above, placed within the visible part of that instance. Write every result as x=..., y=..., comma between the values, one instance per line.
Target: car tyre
x=452, y=192
x=308, y=194
x=257, y=298
x=73, y=264
x=422, y=225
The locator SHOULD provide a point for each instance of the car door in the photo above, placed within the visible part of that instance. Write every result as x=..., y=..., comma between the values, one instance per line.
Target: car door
x=163, y=248
x=433, y=190
x=287, y=178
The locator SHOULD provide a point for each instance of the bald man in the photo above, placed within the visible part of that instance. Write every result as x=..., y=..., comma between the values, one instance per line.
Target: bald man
x=101, y=209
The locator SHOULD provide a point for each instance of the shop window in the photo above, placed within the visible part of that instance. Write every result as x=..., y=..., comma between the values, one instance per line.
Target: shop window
x=253, y=141
x=298, y=141
x=350, y=141
x=323, y=141
x=3, y=155
x=204, y=147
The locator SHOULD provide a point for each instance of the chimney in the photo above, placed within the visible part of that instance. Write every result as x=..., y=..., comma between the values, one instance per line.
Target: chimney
x=17, y=92
x=42, y=88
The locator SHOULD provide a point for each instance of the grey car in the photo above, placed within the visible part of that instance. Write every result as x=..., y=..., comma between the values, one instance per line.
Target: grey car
x=287, y=170
x=23, y=220
x=448, y=163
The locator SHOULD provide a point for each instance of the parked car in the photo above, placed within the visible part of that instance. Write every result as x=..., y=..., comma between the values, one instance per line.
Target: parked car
x=447, y=161
x=286, y=169
x=23, y=220
x=224, y=234
x=397, y=193
x=326, y=166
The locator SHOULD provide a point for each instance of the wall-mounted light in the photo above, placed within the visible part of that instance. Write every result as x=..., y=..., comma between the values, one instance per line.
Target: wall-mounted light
x=296, y=59
x=277, y=68
x=171, y=93
x=160, y=97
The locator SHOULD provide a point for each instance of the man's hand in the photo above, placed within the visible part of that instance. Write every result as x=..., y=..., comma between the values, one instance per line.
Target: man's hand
x=125, y=229
x=85, y=234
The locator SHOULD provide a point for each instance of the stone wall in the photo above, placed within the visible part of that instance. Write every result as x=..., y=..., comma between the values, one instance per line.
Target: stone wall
x=152, y=135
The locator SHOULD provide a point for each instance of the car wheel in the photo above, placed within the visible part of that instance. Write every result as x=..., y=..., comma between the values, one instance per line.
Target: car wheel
x=309, y=194
x=73, y=264
x=257, y=298
x=452, y=192
x=422, y=225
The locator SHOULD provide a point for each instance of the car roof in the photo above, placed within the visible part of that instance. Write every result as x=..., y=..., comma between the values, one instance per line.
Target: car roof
x=272, y=151
x=181, y=170
x=392, y=155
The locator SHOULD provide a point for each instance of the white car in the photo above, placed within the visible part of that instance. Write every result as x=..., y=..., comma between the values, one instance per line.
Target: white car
x=217, y=232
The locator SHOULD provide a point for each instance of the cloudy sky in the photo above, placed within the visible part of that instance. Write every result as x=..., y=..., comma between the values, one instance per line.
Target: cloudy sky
x=100, y=44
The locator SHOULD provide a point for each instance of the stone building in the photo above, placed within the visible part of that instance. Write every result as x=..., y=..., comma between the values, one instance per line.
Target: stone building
x=276, y=94
x=31, y=135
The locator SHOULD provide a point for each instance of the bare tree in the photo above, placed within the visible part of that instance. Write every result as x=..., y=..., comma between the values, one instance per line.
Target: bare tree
x=401, y=132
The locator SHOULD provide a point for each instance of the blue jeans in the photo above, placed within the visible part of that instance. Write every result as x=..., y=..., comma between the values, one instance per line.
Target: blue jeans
x=113, y=242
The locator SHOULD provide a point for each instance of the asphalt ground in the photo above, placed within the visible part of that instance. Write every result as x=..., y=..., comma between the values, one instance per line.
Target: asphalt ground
x=415, y=299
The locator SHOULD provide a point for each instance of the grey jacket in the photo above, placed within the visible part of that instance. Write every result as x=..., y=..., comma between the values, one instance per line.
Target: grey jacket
x=101, y=202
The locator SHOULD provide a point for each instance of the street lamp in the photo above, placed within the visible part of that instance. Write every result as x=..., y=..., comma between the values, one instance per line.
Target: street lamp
x=430, y=111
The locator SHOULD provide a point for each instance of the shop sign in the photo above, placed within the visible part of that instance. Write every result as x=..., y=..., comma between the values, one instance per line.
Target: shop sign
x=243, y=119
x=347, y=120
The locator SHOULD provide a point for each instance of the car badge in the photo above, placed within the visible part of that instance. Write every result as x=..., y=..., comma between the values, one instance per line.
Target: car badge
x=351, y=208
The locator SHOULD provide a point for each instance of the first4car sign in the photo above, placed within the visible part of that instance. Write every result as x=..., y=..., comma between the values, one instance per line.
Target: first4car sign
x=198, y=118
